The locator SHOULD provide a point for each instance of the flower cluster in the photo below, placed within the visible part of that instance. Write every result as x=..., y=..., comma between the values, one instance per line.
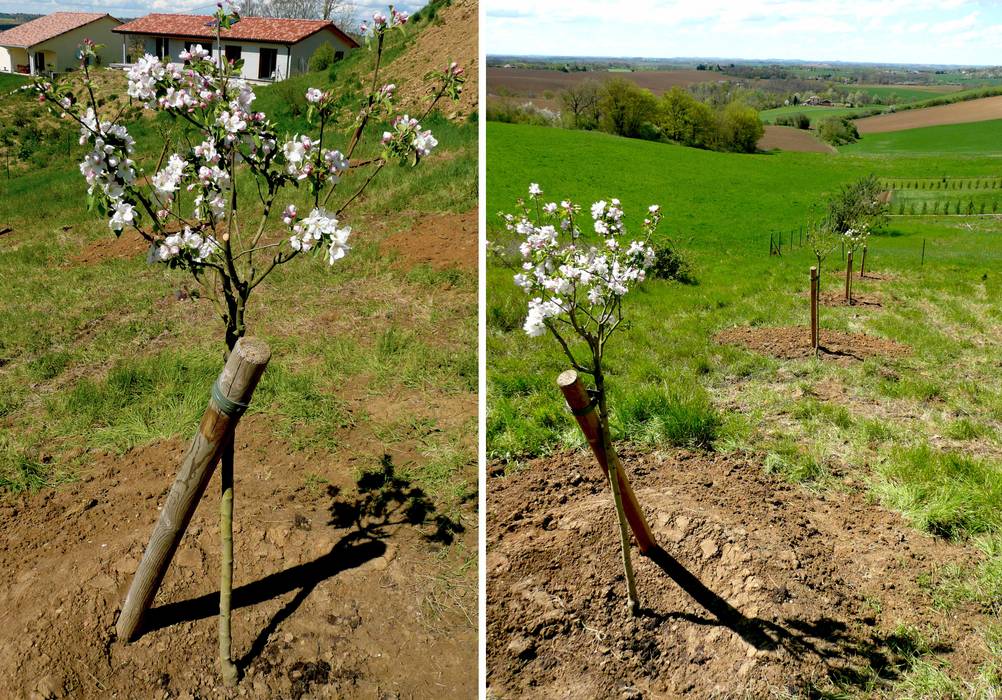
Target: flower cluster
x=108, y=167
x=408, y=140
x=381, y=22
x=303, y=159
x=186, y=244
x=319, y=228
x=570, y=279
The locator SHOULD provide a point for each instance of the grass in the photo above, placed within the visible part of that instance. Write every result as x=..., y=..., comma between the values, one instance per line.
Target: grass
x=815, y=112
x=974, y=139
x=812, y=422
x=102, y=356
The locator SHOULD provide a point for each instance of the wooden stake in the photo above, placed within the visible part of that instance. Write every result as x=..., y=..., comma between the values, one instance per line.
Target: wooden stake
x=814, y=308
x=862, y=263
x=848, y=278
x=923, y=251
x=235, y=387
x=579, y=402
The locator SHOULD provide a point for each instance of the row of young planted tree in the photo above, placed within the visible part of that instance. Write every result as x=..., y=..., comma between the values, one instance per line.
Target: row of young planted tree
x=946, y=208
x=619, y=106
x=223, y=204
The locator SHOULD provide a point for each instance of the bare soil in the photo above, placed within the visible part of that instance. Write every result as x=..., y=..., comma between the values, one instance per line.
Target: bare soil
x=762, y=588
x=837, y=298
x=439, y=240
x=788, y=138
x=794, y=342
x=958, y=113
x=110, y=247
x=451, y=37
x=343, y=588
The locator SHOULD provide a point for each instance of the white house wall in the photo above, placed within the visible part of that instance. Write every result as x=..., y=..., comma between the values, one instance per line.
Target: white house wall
x=302, y=51
x=61, y=51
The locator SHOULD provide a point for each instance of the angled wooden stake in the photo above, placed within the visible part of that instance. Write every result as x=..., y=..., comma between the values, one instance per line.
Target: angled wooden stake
x=230, y=396
x=814, y=309
x=581, y=406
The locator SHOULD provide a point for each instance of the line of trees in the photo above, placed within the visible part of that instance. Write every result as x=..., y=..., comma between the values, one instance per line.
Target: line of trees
x=621, y=107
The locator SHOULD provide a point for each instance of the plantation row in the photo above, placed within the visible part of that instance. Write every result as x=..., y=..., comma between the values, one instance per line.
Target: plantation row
x=951, y=208
x=944, y=183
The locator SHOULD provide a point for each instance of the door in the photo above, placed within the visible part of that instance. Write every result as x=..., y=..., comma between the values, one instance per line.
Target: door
x=268, y=61
x=39, y=62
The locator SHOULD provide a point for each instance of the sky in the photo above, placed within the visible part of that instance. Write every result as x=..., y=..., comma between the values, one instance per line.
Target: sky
x=965, y=32
x=137, y=8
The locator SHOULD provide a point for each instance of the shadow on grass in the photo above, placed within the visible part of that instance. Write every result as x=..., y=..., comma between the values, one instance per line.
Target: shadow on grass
x=853, y=660
x=385, y=501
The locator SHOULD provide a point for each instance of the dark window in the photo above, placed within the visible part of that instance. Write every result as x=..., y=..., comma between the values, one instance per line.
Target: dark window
x=267, y=64
x=232, y=53
x=163, y=47
x=338, y=55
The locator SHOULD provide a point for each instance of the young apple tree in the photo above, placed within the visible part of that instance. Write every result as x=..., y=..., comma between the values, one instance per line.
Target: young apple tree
x=576, y=282
x=238, y=166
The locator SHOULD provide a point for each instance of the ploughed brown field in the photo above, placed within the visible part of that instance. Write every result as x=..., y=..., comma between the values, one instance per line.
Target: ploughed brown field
x=958, y=113
x=788, y=138
x=533, y=82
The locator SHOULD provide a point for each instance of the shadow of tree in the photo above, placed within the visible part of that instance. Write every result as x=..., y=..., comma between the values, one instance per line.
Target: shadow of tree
x=385, y=502
x=853, y=660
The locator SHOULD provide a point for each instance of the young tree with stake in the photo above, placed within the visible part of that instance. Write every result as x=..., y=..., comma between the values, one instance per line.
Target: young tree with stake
x=576, y=283
x=191, y=208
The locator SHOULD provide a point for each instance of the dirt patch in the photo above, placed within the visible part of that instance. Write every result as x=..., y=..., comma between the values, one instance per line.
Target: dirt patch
x=794, y=342
x=110, y=247
x=451, y=37
x=343, y=585
x=838, y=299
x=958, y=113
x=439, y=240
x=764, y=587
x=788, y=138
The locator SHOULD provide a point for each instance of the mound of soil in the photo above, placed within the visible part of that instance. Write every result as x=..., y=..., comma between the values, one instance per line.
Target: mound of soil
x=110, y=247
x=788, y=138
x=762, y=587
x=837, y=298
x=979, y=110
x=340, y=588
x=452, y=36
x=794, y=342
x=439, y=240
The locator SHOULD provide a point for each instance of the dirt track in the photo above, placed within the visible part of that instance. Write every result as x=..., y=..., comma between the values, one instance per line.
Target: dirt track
x=959, y=113
x=788, y=138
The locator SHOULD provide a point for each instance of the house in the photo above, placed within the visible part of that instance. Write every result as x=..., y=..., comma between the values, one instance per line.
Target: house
x=49, y=44
x=272, y=49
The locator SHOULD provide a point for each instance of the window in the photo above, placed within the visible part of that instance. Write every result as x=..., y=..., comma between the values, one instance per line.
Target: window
x=338, y=55
x=162, y=47
x=267, y=64
x=232, y=53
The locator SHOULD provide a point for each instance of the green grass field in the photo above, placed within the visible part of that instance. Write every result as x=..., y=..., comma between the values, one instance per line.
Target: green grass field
x=977, y=139
x=672, y=385
x=903, y=93
x=11, y=81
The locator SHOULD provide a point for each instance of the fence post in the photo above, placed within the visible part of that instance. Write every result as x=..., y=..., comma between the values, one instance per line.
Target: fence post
x=848, y=278
x=581, y=406
x=862, y=263
x=923, y=251
x=230, y=395
x=814, y=308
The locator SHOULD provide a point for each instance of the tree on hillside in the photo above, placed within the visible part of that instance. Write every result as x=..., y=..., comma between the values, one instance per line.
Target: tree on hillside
x=342, y=12
x=627, y=110
x=685, y=120
x=741, y=128
x=580, y=101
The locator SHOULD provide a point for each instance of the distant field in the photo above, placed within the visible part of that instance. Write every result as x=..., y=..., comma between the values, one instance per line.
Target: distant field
x=984, y=109
x=975, y=139
x=788, y=138
x=533, y=82
x=908, y=93
x=814, y=113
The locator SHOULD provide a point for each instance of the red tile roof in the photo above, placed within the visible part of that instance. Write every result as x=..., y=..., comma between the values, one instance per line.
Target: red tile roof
x=277, y=31
x=44, y=28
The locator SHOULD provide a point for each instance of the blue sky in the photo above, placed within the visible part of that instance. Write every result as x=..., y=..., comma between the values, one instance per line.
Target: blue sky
x=137, y=8
x=892, y=31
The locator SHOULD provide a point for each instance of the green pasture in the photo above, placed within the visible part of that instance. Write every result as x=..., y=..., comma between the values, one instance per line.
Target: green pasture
x=979, y=140
x=814, y=112
x=672, y=385
x=903, y=93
